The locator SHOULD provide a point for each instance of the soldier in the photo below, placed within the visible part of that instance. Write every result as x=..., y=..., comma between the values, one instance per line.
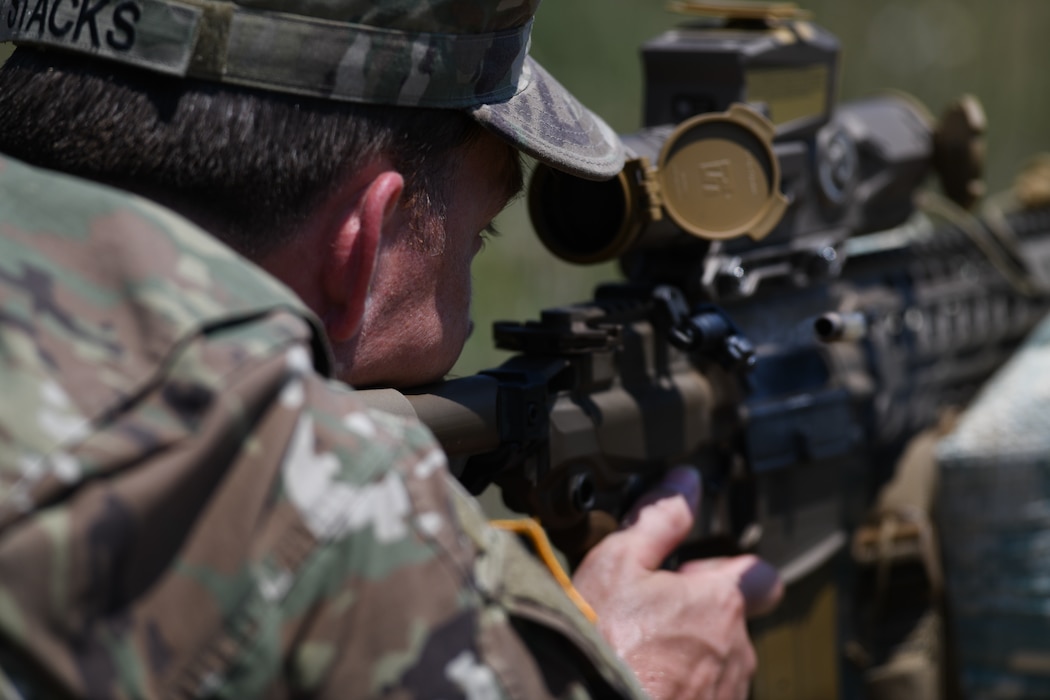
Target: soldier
x=190, y=504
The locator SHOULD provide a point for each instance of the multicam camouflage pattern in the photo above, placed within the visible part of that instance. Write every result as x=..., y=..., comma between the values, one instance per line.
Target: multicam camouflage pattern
x=442, y=53
x=552, y=127
x=189, y=509
x=456, y=54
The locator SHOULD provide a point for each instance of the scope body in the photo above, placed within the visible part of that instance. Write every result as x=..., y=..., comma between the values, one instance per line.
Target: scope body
x=788, y=68
x=843, y=170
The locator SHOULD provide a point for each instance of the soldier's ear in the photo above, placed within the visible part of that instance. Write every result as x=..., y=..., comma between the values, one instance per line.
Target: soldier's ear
x=348, y=272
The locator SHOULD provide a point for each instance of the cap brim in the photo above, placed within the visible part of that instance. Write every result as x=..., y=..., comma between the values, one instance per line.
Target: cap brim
x=545, y=121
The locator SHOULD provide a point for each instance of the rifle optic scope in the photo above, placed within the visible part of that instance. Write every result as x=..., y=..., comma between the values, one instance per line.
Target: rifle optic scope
x=715, y=176
x=721, y=177
x=793, y=170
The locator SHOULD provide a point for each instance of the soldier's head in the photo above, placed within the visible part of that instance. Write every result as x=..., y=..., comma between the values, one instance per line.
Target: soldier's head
x=307, y=135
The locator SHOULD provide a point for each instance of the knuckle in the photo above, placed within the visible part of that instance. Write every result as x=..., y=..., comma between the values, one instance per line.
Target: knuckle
x=734, y=603
x=750, y=660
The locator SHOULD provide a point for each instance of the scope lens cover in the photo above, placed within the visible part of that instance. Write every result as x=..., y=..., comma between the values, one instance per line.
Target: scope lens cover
x=719, y=177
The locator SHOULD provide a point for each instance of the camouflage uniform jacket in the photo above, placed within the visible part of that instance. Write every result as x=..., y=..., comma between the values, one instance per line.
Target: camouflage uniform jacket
x=189, y=508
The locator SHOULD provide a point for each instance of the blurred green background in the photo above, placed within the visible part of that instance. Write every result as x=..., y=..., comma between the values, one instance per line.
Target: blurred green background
x=935, y=50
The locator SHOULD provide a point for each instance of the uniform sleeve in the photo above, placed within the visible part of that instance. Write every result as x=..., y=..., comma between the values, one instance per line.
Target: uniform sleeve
x=421, y=598
x=275, y=539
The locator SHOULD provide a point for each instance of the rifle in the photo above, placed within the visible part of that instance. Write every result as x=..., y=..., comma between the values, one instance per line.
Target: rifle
x=787, y=321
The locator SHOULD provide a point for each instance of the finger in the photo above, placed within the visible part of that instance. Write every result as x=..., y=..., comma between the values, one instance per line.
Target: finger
x=762, y=588
x=662, y=518
x=758, y=580
x=683, y=481
x=737, y=675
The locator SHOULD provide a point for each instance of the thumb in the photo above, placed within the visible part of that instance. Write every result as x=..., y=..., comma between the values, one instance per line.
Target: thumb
x=662, y=517
x=758, y=580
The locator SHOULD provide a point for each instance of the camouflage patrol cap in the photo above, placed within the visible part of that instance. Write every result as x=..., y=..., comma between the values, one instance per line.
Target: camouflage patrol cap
x=457, y=54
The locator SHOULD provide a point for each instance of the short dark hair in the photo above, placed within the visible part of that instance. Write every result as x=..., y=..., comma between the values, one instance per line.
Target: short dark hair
x=238, y=161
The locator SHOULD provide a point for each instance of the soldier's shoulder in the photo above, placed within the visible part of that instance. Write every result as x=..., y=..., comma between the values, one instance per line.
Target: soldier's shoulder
x=106, y=296
x=88, y=229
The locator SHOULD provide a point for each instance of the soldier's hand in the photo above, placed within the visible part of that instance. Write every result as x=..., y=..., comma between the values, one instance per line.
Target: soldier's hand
x=682, y=632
